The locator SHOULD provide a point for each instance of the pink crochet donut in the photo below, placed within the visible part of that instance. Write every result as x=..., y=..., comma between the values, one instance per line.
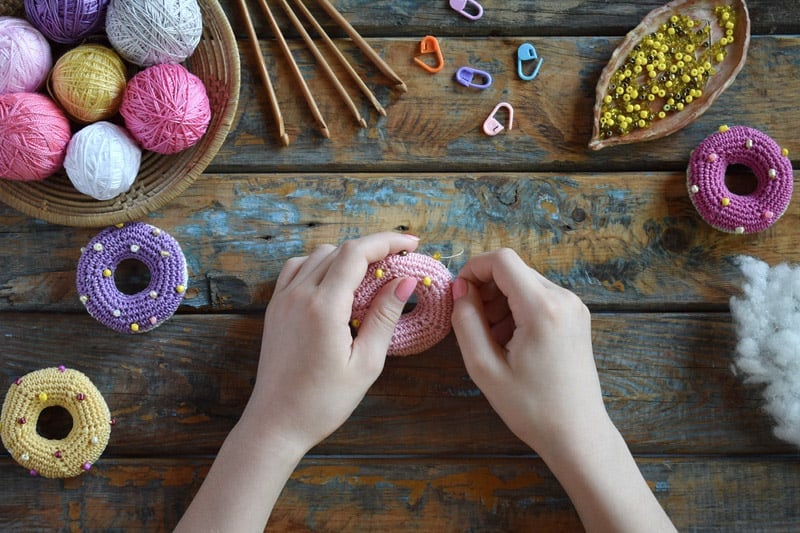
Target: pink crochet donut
x=429, y=322
x=730, y=212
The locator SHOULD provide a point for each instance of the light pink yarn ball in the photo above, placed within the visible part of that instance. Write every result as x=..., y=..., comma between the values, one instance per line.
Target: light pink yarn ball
x=25, y=56
x=34, y=134
x=166, y=108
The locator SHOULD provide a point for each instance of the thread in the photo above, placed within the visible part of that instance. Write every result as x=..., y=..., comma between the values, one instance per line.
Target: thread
x=25, y=57
x=102, y=160
x=147, y=32
x=34, y=133
x=88, y=82
x=166, y=108
x=67, y=21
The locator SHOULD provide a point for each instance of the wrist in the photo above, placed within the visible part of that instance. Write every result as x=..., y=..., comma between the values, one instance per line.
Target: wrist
x=265, y=436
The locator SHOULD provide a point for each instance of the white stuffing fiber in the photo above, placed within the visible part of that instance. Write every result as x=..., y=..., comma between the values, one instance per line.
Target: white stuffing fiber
x=767, y=319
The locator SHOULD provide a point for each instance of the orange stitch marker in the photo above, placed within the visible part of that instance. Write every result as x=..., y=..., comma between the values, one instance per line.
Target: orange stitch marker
x=429, y=45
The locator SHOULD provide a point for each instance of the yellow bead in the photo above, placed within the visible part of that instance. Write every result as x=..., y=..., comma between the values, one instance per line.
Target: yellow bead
x=134, y=327
x=679, y=106
x=725, y=202
x=180, y=289
x=427, y=281
x=42, y=396
x=608, y=99
x=378, y=273
x=356, y=323
x=723, y=128
x=785, y=152
x=119, y=225
x=106, y=273
x=720, y=57
x=437, y=256
x=661, y=114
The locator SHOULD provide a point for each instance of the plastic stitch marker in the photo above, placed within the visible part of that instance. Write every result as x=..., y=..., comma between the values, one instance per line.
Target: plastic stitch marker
x=492, y=126
x=466, y=76
x=461, y=7
x=525, y=53
x=429, y=45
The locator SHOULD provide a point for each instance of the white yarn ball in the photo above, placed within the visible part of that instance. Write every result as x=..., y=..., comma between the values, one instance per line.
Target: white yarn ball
x=102, y=160
x=151, y=32
x=25, y=56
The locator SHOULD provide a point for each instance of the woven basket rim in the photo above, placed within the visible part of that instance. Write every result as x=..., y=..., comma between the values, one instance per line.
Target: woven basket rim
x=161, y=178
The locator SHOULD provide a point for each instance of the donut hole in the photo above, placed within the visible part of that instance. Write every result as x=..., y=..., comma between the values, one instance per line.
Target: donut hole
x=54, y=423
x=131, y=276
x=411, y=304
x=739, y=179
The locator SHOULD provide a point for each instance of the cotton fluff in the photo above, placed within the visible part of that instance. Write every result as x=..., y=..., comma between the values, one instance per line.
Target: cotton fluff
x=102, y=160
x=767, y=319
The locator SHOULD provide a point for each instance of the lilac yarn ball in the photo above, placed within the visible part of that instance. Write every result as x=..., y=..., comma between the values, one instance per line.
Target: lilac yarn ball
x=25, y=57
x=67, y=21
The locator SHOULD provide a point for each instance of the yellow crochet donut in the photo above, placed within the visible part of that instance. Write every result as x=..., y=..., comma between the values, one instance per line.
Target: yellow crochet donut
x=55, y=387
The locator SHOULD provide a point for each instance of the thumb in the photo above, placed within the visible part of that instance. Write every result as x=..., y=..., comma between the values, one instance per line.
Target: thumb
x=483, y=357
x=376, y=330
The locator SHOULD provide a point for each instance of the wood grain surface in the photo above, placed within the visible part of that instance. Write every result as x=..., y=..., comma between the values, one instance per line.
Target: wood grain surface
x=425, y=451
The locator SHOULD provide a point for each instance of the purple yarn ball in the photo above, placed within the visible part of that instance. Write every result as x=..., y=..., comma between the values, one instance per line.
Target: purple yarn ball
x=67, y=21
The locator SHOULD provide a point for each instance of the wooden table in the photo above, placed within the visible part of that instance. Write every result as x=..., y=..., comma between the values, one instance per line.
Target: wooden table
x=424, y=451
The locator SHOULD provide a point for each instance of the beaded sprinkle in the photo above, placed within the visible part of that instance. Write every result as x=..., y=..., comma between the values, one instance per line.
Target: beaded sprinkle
x=665, y=72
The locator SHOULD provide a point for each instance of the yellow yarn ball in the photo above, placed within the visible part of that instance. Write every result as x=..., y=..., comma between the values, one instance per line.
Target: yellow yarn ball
x=88, y=81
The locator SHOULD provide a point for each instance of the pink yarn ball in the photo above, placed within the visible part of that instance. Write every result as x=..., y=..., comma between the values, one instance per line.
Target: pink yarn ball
x=166, y=108
x=67, y=21
x=25, y=57
x=34, y=134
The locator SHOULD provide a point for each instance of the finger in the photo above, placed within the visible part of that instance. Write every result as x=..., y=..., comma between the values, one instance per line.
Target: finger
x=289, y=271
x=483, y=357
x=503, y=330
x=377, y=328
x=312, y=269
x=496, y=307
x=347, y=267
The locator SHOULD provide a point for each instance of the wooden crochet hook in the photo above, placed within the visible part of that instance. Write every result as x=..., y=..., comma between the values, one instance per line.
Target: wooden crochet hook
x=262, y=68
x=323, y=63
x=373, y=56
x=340, y=56
x=312, y=104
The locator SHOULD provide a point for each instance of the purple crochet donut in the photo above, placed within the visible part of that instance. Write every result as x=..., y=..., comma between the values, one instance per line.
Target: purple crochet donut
x=730, y=212
x=145, y=310
x=429, y=321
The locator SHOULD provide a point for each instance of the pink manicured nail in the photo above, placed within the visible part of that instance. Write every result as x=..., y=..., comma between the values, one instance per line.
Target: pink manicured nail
x=405, y=289
x=459, y=288
x=412, y=237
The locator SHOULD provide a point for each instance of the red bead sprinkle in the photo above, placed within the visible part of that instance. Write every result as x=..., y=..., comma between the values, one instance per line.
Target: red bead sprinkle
x=58, y=454
x=18, y=381
x=34, y=473
x=80, y=397
x=87, y=466
x=21, y=420
x=62, y=368
x=113, y=421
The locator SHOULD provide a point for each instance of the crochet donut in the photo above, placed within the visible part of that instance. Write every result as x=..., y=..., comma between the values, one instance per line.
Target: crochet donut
x=55, y=387
x=147, y=309
x=430, y=320
x=730, y=212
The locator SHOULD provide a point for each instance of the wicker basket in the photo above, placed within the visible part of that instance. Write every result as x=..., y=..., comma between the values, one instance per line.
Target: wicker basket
x=161, y=178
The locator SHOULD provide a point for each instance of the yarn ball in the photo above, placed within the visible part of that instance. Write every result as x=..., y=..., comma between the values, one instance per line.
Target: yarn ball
x=67, y=21
x=102, y=160
x=25, y=57
x=34, y=133
x=150, y=32
x=89, y=81
x=166, y=108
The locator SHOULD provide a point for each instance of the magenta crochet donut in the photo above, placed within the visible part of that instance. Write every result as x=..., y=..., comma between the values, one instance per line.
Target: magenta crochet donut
x=147, y=309
x=429, y=321
x=730, y=212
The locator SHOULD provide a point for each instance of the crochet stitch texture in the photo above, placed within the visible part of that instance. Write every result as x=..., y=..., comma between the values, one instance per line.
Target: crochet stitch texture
x=146, y=309
x=55, y=458
x=725, y=210
x=430, y=320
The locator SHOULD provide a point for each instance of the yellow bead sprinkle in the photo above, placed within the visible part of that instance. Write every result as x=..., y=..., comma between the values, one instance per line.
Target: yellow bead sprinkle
x=106, y=273
x=725, y=202
x=785, y=152
x=119, y=225
x=723, y=128
x=427, y=281
x=134, y=327
x=180, y=289
x=437, y=256
x=356, y=323
x=378, y=273
x=43, y=396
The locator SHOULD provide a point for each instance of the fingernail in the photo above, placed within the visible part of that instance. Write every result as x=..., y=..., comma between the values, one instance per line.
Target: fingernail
x=459, y=288
x=405, y=289
x=412, y=237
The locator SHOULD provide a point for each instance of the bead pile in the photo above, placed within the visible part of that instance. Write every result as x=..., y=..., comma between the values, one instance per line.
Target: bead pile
x=429, y=321
x=147, y=309
x=735, y=213
x=89, y=83
x=70, y=390
x=665, y=72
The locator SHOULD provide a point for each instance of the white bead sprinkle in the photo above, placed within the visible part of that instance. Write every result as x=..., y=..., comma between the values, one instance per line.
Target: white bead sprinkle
x=748, y=143
x=84, y=298
x=25, y=457
x=117, y=313
x=153, y=295
x=695, y=189
x=773, y=173
x=134, y=248
x=156, y=232
x=97, y=247
x=95, y=440
x=739, y=229
x=164, y=253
